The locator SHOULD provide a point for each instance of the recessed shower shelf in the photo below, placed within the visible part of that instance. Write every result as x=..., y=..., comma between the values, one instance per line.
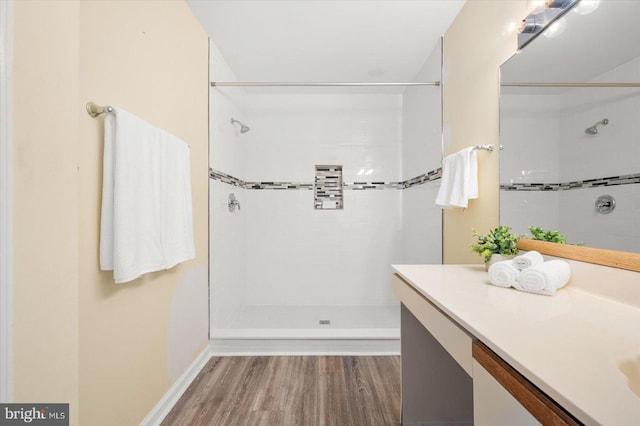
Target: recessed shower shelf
x=328, y=188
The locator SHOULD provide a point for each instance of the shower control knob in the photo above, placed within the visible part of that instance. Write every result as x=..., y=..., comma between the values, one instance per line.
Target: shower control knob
x=233, y=203
x=605, y=204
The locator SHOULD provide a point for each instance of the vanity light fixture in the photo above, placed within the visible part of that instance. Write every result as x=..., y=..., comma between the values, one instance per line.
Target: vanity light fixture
x=585, y=7
x=544, y=16
x=555, y=29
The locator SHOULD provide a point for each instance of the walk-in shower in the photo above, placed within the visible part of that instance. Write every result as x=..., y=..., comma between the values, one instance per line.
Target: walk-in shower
x=305, y=265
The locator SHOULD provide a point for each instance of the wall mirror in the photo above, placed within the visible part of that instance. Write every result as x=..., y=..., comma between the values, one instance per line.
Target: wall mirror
x=570, y=127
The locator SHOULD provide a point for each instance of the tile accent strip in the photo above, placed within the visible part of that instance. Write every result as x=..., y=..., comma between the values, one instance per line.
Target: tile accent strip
x=225, y=178
x=588, y=183
x=277, y=185
x=423, y=178
x=354, y=186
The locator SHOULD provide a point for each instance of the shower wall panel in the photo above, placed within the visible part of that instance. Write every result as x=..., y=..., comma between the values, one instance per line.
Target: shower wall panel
x=227, y=144
x=421, y=154
x=615, y=150
x=530, y=135
x=293, y=132
x=226, y=229
x=299, y=256
x=611, y=154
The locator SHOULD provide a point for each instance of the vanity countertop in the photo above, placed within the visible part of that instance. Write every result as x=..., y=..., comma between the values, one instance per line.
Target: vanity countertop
x=581, y=349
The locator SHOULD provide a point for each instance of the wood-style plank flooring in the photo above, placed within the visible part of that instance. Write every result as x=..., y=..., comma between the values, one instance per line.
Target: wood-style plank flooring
x=293, y=390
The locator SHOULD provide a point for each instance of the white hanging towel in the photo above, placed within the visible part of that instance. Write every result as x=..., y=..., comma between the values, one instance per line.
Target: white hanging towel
x=147, y=220
x=459, y=182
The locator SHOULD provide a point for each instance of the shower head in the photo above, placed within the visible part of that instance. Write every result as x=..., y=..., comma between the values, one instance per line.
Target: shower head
x=243, y=128
x=593, y=130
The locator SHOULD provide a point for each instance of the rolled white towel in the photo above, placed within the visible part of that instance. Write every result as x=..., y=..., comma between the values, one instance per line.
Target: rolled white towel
x=544, y=278
x=528, y=259
x=503, y=274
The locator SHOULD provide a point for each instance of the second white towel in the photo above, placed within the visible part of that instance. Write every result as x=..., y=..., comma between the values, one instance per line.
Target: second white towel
x=503, y=274
x=528, y=259
x=544, y=278
x=459, y=182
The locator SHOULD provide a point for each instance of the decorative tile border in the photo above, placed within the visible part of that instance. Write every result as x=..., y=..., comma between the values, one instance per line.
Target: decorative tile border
x=424, y=178
x=354, y=186
x=588, y=183
x=277, y=185
x=359, y=186
x=225, y=178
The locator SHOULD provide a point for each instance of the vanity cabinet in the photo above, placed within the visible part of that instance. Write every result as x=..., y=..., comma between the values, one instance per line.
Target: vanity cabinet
x=450, y=377
x=502, y=396
x=494, y=405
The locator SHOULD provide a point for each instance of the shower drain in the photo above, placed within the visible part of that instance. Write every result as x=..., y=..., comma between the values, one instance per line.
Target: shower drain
x=324, y=322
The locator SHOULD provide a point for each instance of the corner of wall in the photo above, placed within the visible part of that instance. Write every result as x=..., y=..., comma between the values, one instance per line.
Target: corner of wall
x=472, y=56
x=46, y=198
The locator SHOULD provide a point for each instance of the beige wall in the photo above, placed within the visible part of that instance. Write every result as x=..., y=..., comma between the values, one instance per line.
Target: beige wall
x=111, y=350
x=479, y=40
x=45, y=105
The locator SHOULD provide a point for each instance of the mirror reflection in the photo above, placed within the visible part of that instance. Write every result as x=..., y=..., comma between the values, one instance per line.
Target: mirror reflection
x=570, y=127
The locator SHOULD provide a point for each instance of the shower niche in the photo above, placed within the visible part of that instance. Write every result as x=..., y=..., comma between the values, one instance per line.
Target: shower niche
x=327, y=191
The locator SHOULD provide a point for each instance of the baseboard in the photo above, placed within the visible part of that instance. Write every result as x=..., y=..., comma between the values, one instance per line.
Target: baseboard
x=315, y=347
x=171, y=397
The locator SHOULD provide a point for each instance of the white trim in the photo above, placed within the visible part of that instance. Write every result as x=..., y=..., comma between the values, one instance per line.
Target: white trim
x=304, y=334
x=308, y=347
x=6, y=197
x=171, y=397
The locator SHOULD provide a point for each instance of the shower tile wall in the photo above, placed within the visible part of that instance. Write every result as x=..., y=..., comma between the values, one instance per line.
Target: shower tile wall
x=296, y=131
x=422, y=154
x=614, y=152
x=226, y=256
x=296, y=255
x=530, y=134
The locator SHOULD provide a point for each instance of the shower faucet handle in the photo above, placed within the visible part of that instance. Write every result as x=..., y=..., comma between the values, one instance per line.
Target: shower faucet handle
x=605, y=204
x=233, y=203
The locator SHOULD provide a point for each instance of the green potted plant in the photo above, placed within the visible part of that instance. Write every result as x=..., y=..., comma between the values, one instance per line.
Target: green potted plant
x=550, y=236
x=498, y=244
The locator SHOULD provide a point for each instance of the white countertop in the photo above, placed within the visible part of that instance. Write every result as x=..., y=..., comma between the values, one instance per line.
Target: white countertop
x=577, y=347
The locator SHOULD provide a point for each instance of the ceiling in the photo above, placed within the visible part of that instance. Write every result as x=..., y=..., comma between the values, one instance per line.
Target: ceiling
x=321, y=41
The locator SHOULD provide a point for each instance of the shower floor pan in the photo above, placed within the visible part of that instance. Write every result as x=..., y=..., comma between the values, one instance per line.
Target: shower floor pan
x=310, y=329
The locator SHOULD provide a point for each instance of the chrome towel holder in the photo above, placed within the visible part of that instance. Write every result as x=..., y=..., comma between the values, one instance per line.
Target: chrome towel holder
x=489, y=147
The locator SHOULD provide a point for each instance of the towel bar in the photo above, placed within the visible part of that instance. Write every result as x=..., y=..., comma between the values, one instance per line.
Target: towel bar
x=95, y=110
x=489, y=147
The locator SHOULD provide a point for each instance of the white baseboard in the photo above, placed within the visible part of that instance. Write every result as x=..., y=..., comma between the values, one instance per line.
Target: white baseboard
x=171, y=397
x=315, y=347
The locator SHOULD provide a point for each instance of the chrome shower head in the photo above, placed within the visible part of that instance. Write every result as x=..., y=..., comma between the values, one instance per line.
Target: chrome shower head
x=593, y=130
x=243, y=128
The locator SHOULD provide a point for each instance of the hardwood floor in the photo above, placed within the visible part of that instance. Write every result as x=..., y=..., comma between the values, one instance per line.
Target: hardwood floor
x=292, y=391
